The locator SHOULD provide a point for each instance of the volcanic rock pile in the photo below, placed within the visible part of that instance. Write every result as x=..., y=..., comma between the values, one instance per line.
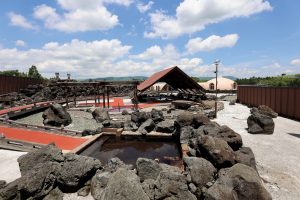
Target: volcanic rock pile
x=56, y=115
x=260, y=121
x=216, y=166
x=53, y=91
x=48, y=174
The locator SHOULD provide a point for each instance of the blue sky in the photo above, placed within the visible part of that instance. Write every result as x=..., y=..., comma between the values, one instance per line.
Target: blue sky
x=98, y=38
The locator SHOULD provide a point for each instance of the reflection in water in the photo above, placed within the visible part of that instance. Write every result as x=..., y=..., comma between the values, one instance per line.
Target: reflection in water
x=128, y=150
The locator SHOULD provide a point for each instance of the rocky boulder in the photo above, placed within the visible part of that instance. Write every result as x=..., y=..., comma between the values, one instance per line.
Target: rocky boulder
x=217, y=151
x=39, y=181
x=147, y=127
x=125, y=112
x=114, y=164
x=260, y=124
x=113, y=124
x=76, y=170
x=124, y=184
x=55, y=194
x=200, y=119
x=238, y=182
x=189, y=119
x=157, y=115
x=171, y=184
x=166, y=126
x=56, y=115
x=233, y=139
x=49, y=153
x=98, y=183
x=186, y=133
x=149, y=188
x=10, y=191
x=138, y=117
x=100, y=115
x=245, y=156
x=265, y=110
x=88, y=132
x=182, y=104
x=200, y=170
x=2, y=184
x=185, y=119
x=147, y=168
x=232, y=102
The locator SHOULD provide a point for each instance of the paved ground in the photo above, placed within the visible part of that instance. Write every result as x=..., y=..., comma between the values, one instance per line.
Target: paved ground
x=277, y=155
x=9, y=167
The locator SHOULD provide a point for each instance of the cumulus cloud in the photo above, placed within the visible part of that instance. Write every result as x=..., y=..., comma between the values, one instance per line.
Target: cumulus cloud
x=81, y=58
x=272, y=66
x=79, y=15
x=76, y=20
x=20, y=43
x=295, y=62
x=98, y=58
x=194, y=15
x=144, y=7
x=20, y=21
x=156, y=58
x=211, y=43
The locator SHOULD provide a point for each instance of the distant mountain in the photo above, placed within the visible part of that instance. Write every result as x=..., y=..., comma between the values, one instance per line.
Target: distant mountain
x=122, y=78
x=231, y=77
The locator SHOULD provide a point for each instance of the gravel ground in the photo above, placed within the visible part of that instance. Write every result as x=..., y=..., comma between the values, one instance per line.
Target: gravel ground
x=277, y=155
x=81, y=120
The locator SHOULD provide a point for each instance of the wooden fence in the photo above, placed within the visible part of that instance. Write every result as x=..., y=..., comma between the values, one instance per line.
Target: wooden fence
x=14, y=84
x=284, y=100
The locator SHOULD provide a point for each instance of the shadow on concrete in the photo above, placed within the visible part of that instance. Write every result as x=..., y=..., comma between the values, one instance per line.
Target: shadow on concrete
x=295, y=134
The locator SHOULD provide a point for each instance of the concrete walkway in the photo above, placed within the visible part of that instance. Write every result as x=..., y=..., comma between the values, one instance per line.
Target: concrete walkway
x=277, y=155
x=9, y=167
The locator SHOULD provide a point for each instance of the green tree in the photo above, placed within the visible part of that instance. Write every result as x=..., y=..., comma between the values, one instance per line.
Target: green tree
x=33, y=72
x=13, y=73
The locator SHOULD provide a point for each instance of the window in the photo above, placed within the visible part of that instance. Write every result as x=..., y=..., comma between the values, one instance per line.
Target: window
x=234, y=86
x=211, y=86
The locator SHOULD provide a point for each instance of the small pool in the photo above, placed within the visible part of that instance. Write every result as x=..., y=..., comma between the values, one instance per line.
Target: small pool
x=130, y=148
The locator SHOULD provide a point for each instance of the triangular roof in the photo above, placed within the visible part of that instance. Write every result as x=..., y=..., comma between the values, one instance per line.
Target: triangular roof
x=173, y=76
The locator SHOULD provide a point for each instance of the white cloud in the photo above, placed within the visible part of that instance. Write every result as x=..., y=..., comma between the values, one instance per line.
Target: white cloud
x=193, y=15
x=272, y=66
x=149, y=53
x=144, y=7
x=156, y=58
x=295, y=62
x=20, y=43
x=97, y=59
x=20, y=20
x=118, y=2
x=97, y=18
x=81, y=58
x=211, y=43
x=79, y=15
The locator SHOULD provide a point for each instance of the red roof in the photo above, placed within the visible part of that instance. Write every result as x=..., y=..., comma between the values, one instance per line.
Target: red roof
x=153, y=79
x=173, y=76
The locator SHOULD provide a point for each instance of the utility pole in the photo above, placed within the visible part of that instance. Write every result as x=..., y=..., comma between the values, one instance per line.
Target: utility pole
x=217, y=63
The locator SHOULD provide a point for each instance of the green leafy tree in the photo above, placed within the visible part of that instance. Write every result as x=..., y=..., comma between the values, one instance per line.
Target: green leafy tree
x=286, y=80
x=33, y=72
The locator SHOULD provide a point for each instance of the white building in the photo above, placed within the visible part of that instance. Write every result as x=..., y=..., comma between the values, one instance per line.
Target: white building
x=223, y=84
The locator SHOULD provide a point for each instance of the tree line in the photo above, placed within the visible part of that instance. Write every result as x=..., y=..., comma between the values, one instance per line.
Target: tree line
x=32, y=73
x=284, y=80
